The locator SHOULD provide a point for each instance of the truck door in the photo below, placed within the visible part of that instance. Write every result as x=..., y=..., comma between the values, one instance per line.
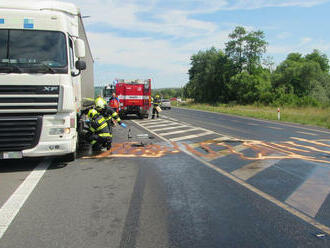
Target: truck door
x=75, y=80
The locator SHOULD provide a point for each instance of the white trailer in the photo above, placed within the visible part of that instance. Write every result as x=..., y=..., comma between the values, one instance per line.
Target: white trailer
x=43, y=52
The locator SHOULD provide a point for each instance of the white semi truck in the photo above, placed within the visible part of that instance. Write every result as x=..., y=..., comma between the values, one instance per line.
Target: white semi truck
x=46, y=70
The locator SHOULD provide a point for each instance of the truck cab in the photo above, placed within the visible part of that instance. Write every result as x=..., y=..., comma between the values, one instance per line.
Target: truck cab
x=43, y=52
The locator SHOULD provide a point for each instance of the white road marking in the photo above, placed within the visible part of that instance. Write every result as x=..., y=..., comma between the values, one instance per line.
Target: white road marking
x=169, y=128
x=180, y=131
x=162, y=125
x=312, y=134
x=12, y=206
x=310, y=196
x=224, y=138
x=170, y=118
x=254, y=168
x=227, y=152
x=149, y=121
x=191, y=136
x=253, y=124
x=156, y=123
x=262, y=194
x=277, y=128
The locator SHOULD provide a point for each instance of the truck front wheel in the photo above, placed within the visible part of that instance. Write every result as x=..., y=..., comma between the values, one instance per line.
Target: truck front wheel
x=69, y=157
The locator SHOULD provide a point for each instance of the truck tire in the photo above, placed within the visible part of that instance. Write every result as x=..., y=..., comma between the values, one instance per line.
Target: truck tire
x=69, y=157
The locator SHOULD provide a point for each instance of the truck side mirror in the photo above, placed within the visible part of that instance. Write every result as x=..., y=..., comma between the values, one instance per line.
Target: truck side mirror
x=81, y=65
x=79, y=45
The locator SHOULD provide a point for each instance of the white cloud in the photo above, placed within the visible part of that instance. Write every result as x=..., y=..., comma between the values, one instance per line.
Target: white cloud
x=257, y=4
x=159, y=55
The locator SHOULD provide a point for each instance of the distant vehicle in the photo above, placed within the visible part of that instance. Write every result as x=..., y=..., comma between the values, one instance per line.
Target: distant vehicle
x=173, y=99
x=179, y=100
x=134, y=96
x=165, y=104
x=107, y=92
x=46, y=71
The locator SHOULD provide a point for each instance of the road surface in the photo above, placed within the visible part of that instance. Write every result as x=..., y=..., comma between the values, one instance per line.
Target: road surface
x=187, y=179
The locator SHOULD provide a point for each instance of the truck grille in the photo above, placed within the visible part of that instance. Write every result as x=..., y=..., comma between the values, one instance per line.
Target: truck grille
x=19, y=133
x=28, y=99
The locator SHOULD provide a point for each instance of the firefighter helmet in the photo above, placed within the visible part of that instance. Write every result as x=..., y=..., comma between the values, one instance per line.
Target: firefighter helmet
x=92, y=113
x=157, y=96
x=100, y=103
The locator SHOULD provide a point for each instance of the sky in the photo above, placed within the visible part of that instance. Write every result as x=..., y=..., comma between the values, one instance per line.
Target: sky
x=155, y=39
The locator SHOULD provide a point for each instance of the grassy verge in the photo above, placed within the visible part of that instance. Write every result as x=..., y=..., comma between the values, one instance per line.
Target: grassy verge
x=307, y=115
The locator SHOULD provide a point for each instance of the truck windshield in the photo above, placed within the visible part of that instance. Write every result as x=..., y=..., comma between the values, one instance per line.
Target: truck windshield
x=32, y=51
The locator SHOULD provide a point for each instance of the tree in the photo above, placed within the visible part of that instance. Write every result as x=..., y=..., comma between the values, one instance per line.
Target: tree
x=255, y=47
x=235, y=47
x=246, y=48
x=319, y=58
x=209, y=72
x=303, y=77
x=269, y=63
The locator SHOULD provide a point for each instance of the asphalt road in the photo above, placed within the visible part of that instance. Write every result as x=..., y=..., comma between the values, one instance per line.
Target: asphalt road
x=197, y=179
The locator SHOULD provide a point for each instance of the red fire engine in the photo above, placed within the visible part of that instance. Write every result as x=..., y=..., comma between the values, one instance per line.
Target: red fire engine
x=134, y=96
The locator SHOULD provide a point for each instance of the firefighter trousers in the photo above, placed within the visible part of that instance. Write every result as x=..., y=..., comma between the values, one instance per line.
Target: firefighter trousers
x=154, y=111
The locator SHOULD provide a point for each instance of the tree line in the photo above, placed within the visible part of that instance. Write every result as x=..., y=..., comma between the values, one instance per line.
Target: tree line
x=168, y=92
x=240, y=74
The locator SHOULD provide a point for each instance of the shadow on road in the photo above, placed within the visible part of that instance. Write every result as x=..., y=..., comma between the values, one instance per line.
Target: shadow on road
x=27, y=164
x=16, y=165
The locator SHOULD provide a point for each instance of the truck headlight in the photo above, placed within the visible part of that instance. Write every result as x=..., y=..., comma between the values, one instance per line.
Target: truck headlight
x=59, y=131
x=56, y=131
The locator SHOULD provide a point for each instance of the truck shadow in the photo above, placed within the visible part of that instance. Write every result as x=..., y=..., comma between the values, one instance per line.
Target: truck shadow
x=28, y=164
x=16, y=165
x=132, y=117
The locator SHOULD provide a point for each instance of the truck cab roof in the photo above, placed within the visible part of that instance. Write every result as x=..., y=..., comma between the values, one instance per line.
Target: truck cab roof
x=68, y=8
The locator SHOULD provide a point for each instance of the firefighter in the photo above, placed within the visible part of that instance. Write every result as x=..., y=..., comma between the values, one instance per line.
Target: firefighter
x=114, y=102
x=156, y=103
x=99, y=135
x=109, y=114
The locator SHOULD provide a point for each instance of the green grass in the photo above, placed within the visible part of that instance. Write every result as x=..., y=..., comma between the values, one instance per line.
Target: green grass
x=306, y=115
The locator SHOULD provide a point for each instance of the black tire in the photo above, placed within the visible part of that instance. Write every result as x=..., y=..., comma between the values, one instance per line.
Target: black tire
x=67, y=158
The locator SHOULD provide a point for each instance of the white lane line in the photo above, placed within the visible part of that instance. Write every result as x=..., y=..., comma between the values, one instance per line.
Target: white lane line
x=150, y=121
x=12, y=206
x=310, y=196
x=191, y=136
x=163, y=125
x=169, y=128
x=180, y=131
x=253, y=124
x=170, y=118
x=312, y=134
x=277, y=128
x=157, y=123
x=254, y=168
x=262, y=194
